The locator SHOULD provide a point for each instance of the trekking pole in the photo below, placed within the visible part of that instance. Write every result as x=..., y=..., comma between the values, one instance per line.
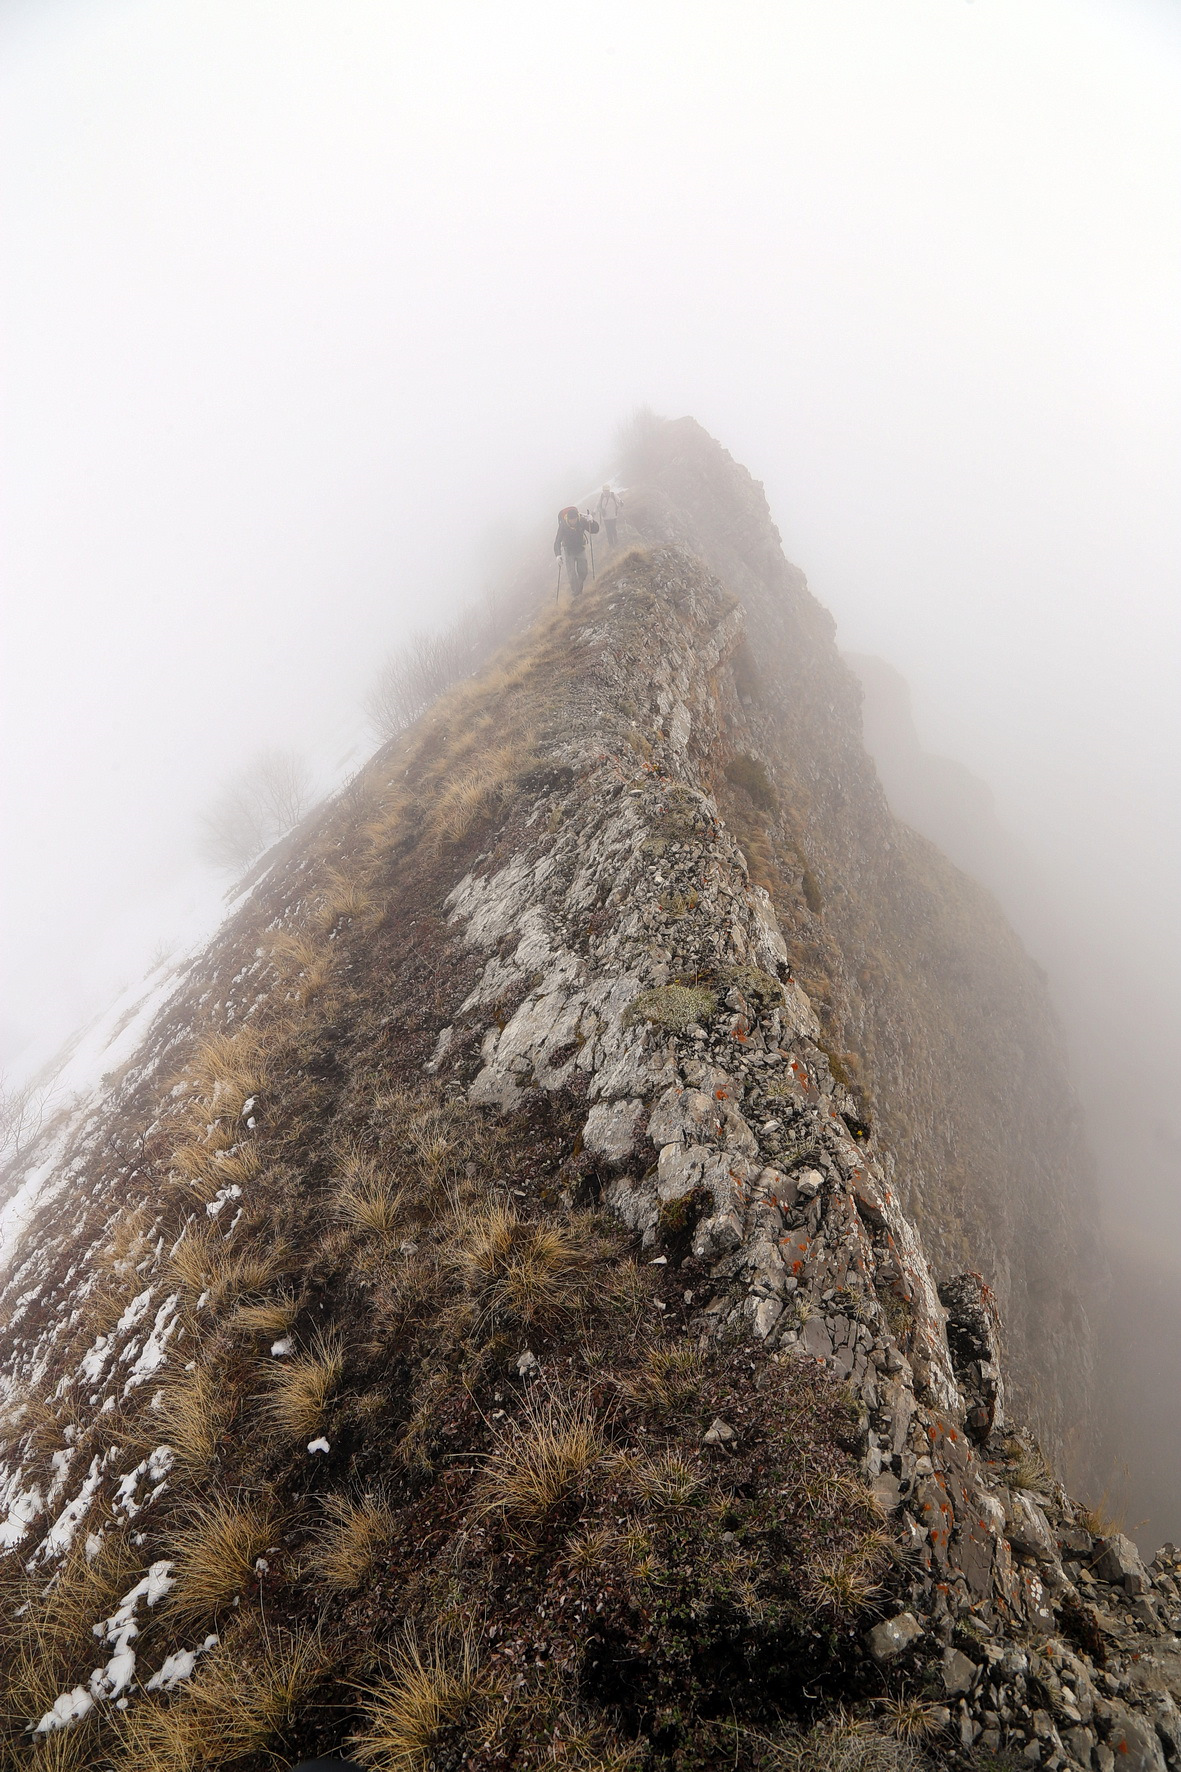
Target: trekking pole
x=558, y=585
x=591, y=540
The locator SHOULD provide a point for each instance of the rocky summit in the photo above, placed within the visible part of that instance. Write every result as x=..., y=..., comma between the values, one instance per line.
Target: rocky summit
x=540, y=1294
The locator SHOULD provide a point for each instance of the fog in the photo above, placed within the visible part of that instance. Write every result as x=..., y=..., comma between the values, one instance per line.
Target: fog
x=310, y=310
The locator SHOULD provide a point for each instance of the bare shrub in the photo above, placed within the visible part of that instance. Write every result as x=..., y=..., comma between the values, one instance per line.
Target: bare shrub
x=255, y=809
x=411, y=678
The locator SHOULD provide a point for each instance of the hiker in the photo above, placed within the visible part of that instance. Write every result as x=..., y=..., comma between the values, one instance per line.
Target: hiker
x=570, y=542
x=610, y=505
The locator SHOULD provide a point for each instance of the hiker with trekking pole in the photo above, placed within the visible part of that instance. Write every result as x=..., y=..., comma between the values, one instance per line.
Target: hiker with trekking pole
x=574, y=528
x=610, y=508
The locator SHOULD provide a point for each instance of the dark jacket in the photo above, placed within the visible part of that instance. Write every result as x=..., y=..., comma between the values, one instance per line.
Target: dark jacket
x=572, y=536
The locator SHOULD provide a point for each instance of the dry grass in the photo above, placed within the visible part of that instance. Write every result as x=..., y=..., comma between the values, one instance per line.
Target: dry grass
x=366, y=1200
x=129, y=1245
x=670, y=1378
x=346, y=897
x=215, y=1553
x=195, y=1413
x=204, y=1167
x=408, y=1712
x=244, y=1700
x=269, y=1316
x=669, y=1483
x=203, y=1264
x=352, y=1540
x=227, y=1069
x=842, y=1586
x=843, y=1744
x=303, y=963
x=540, y=1460
x=911, y=1719
x=518, y=1272
x=476, y=794
x=302, y=1388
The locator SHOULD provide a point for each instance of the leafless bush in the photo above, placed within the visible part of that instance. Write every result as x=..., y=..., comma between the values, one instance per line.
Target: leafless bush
x=412, y=677
x=22, y=1115
x=255, y=809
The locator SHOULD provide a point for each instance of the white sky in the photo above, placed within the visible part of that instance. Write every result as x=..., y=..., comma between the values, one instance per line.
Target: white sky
x=305, y=303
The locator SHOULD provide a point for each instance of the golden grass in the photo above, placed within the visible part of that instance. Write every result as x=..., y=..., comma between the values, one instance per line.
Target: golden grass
x=227, y=1069
x=244, y=1699
x=269, y=1316
x=202, y=1263
x=352, y=1540
x=345, y=898
x=911, y=1719
x=670, y=1377
x=215, y=1552
x=194, y=1413
x=476, y=793
x=302, y=1387
x=366, y=1200
x=425, y=1693
x=519, y=1272
x=305, y=964
x=540, y=1460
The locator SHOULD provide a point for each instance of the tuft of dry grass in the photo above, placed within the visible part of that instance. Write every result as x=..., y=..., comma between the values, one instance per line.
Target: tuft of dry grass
x=540, y=1460
x=201, y=1263
x=269, y=1316
x=302, y=1387
x=353, y=1538
x=669, y=1377
x=244, y=1700
x=841, y=1586
x=366, y=1200
x=305, y=964
x=215, y=1552
x=476, y=794
x=227, y=1069
x=195, y=1412
x=518, y=1272
x=911, y=1719
x=670, y=1482
x=843, y=1743
x=346, y=897
x=407, y=1714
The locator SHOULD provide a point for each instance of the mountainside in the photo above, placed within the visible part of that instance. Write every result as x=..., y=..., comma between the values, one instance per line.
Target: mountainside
x=536, y=1296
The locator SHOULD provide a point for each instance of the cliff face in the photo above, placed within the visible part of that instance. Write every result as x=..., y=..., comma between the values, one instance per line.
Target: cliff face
x=936, y=1014
x=493, y=1319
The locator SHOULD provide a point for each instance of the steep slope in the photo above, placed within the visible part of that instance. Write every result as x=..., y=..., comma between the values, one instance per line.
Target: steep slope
x=934, y=1011
x=483, y=1322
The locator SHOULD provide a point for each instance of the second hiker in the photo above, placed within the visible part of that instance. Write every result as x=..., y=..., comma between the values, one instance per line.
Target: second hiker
x=570, y=542
x=610, y=506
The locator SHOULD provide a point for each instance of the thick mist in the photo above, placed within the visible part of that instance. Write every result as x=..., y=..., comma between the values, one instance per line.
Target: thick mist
x=312, y=313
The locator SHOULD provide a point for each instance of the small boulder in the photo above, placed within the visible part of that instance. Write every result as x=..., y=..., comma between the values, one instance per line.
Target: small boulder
x=718, y=1433
x=959, y=1673
x=1120, y=1564
x=892, y=1636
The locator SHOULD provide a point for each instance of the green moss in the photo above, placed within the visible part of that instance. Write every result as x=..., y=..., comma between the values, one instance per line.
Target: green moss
x=672, y=1006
